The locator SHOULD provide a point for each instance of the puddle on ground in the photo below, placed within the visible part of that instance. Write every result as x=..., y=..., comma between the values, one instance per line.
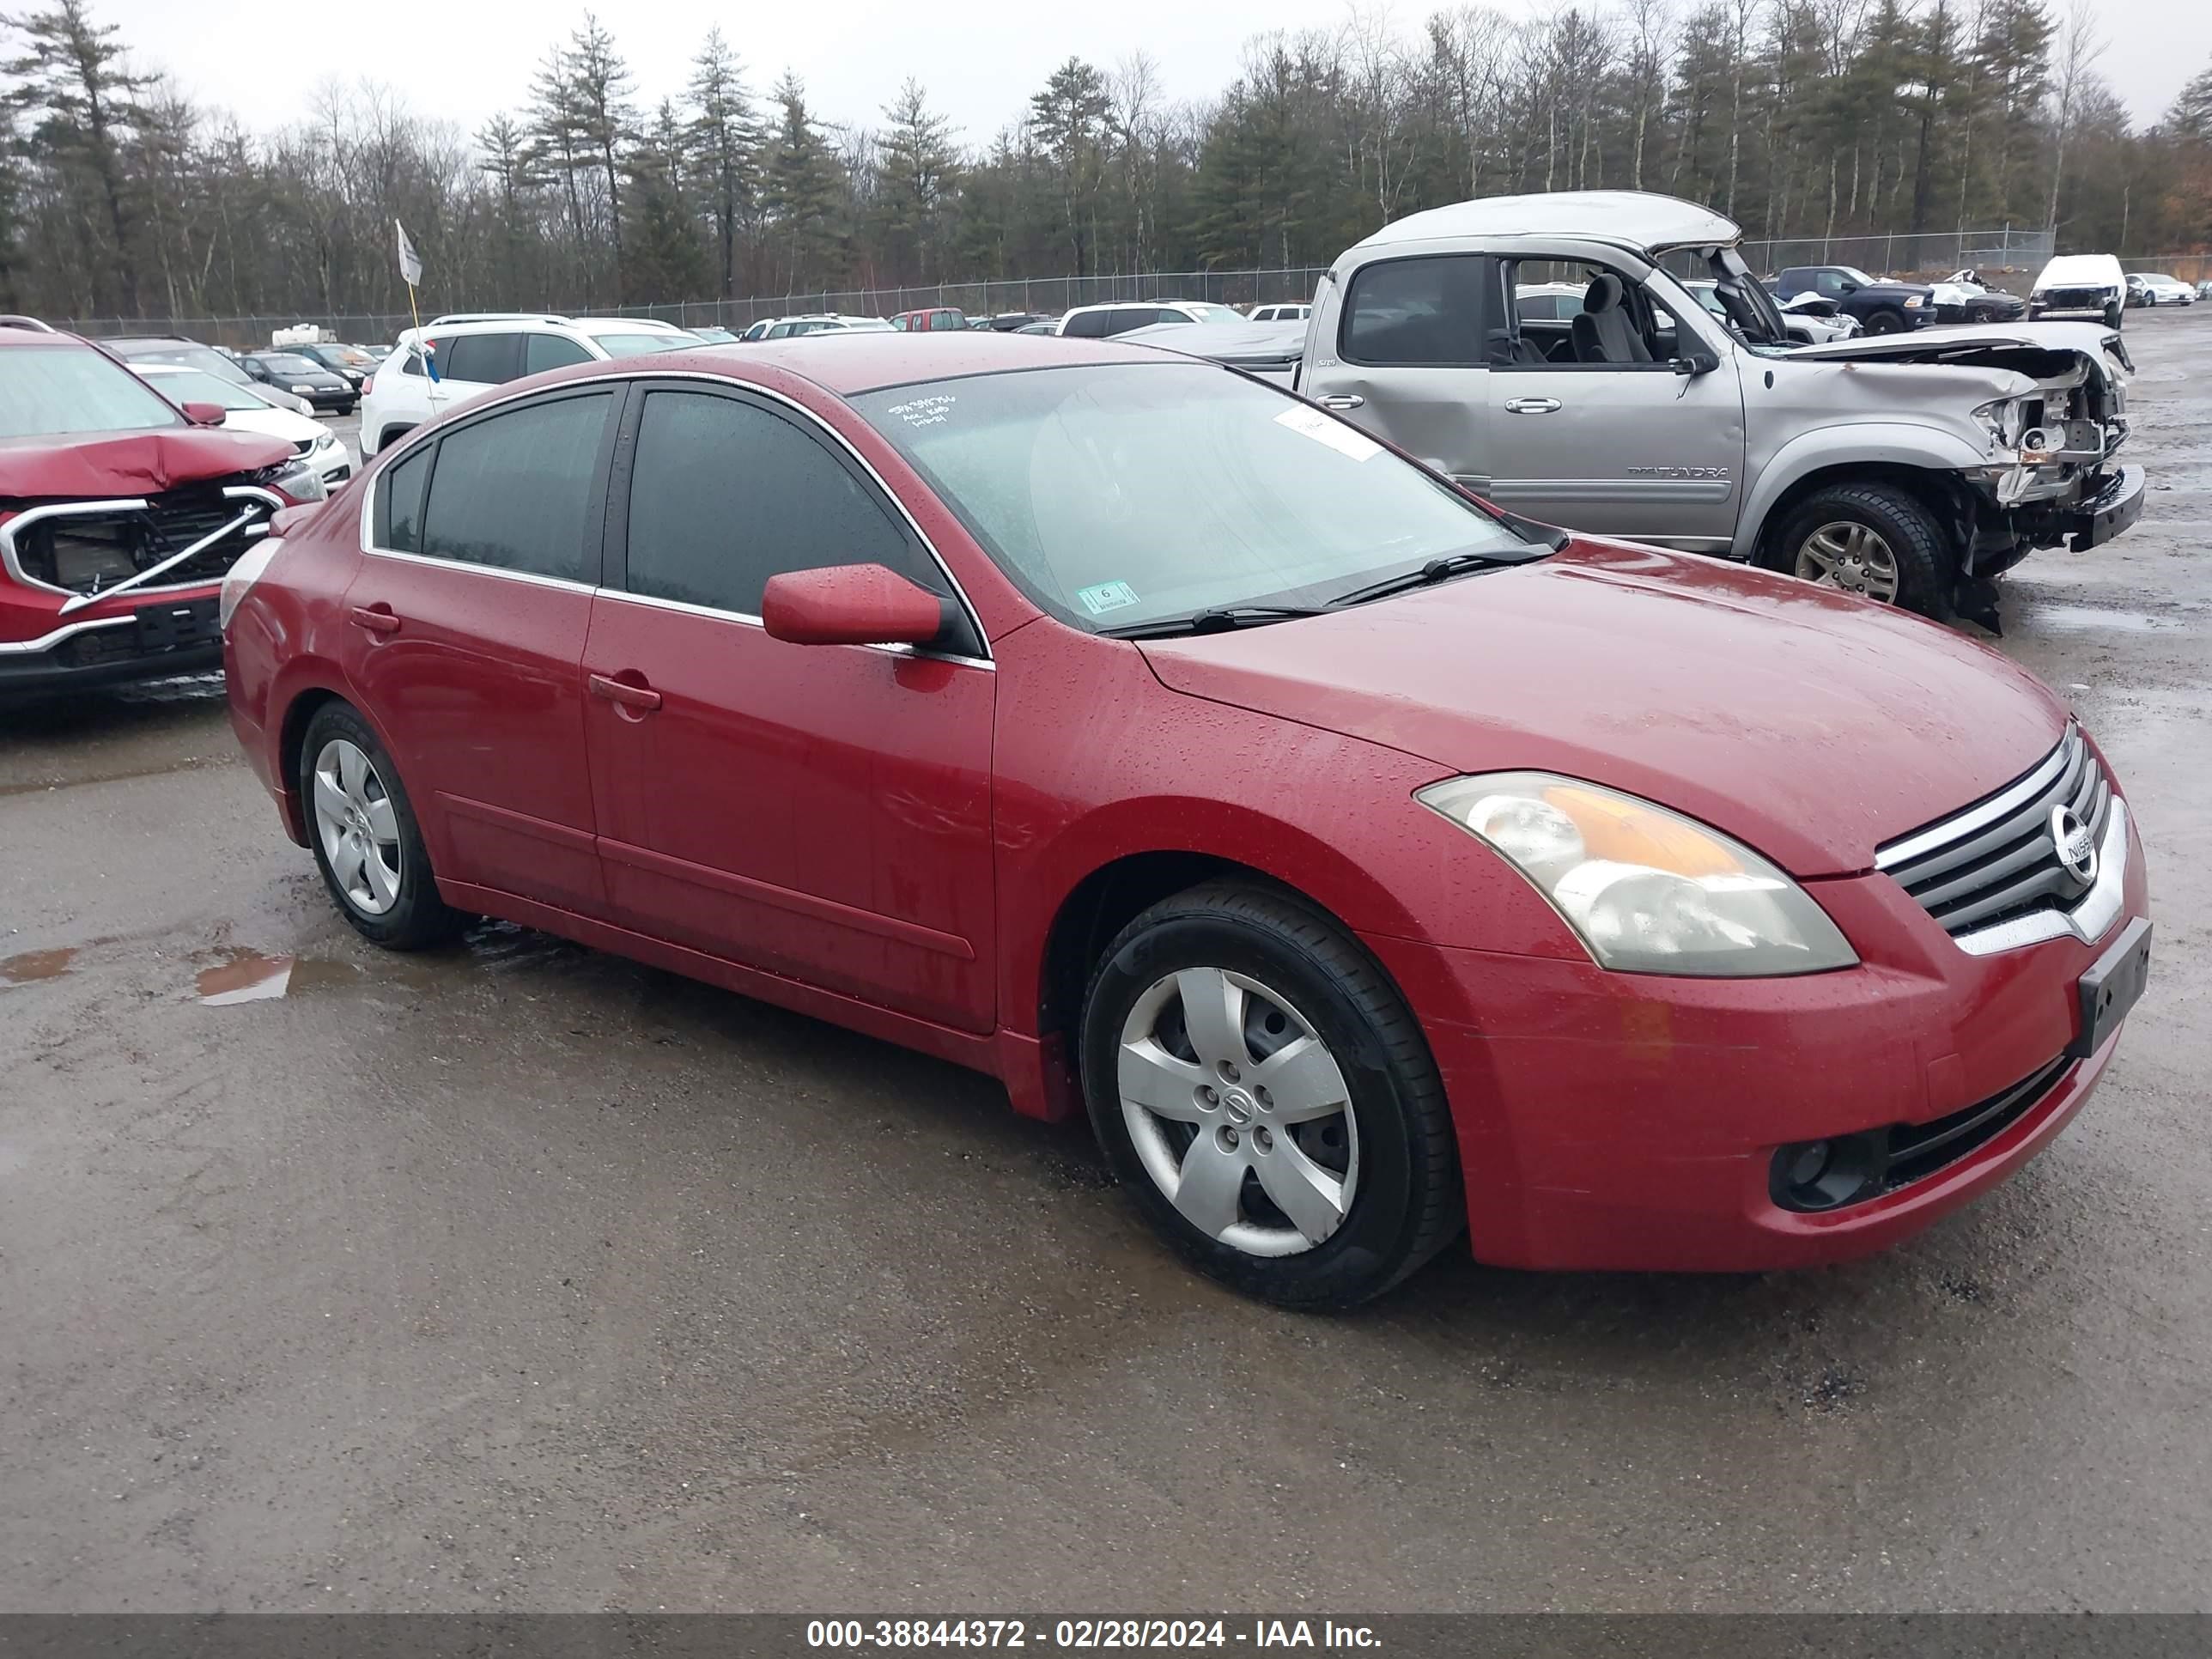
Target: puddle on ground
x=248, y=976
x=37, y=965
x=2089, y=619
x=255, y=977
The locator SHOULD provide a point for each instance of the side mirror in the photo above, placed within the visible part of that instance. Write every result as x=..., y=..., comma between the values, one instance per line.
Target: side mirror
x=204, y=414
x=1696, y=362
x=850, y=604
x=1847, y=286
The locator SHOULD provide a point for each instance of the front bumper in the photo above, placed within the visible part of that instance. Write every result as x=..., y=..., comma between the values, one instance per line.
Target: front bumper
x=2116, y=506
x=178, y=638
x=1626, y=1122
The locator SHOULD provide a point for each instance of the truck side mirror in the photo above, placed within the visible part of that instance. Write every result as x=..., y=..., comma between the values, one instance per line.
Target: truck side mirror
x=1696, y=362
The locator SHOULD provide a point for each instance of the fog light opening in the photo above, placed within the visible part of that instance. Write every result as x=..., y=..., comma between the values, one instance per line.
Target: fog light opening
x=1826, y=1175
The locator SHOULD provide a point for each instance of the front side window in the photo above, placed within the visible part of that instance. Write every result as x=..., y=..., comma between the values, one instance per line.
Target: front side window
x=485, y=359
x=725, y=494
x=543, y=351
x=45, y=390
x=1120, y=494
x=1419, y=312
x=514, y=490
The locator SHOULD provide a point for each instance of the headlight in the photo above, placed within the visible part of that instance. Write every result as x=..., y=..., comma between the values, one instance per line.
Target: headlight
x=1647, y=890
x=298, y=480
x=1913, y=302
x=2005, y=419
x=303, y=390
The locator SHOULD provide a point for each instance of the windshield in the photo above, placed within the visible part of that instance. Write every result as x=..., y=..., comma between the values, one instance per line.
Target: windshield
x=50, y=390
x=1856, y=275
x=1198, y=310
x=190, y=352
x=288, y=362
x=640, y=345
x=1119, y=494
x=190, y=385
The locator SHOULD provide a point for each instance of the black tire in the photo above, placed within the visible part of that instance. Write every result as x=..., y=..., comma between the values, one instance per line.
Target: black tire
x=1887, y=320
x=1926, y=566
x=2114, y=315
x=418, y=918
x=1406, y=1203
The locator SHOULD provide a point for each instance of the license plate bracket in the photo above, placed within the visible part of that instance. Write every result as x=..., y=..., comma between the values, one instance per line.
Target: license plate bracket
x=2112, y=986
x=189, y=622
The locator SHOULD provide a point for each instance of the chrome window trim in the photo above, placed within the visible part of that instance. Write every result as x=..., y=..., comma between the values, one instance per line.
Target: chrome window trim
x=643, y=374
x=653, y=601
x=2088, y=922
x=435, y=562
x=2010, y=800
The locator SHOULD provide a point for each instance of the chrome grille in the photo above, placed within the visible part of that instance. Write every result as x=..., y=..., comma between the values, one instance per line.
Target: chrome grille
x=1996, y=860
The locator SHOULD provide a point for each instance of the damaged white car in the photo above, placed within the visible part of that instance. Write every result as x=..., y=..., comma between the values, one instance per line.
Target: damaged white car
x=1911, y=468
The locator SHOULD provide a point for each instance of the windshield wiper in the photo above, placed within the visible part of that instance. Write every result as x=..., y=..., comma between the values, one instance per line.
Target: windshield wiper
x=1443, y=569
x=1219, y=620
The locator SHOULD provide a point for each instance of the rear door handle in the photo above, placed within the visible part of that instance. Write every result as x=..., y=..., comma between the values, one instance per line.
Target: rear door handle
x=1342, y=401
x=376, y=618
x=643, y=698
x=1531, y=405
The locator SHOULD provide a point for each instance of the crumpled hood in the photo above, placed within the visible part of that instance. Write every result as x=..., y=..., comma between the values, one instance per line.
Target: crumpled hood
x=1809, y=725
x=1963, y=340
x=65, y=467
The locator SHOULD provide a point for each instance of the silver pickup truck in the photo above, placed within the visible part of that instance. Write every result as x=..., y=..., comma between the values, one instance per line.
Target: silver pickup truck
x=1913, y=468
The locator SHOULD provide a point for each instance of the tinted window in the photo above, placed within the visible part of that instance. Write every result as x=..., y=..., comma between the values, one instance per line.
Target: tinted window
x=545, y=352
x=1090, y=326
x=403, y=502
x=514, y=490
x=726, y=494
x=491, y=359
x=1418, y=311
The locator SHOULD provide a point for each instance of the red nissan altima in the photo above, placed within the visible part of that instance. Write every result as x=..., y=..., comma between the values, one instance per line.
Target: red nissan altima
x=1366, y=863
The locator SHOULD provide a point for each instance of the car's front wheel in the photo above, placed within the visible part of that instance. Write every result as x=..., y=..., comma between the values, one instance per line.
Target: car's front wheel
x=1885, y=321
x=366, y=838
x=1873, y=539
x=1268, y=1099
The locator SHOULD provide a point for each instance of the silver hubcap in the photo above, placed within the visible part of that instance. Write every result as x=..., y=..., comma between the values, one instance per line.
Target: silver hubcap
x=359, y=829
x=1238, y=1112
x=1851, y=556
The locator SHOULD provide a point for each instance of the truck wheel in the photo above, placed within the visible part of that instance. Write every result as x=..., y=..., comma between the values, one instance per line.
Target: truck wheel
x=1885, y=321
x=1873, y=539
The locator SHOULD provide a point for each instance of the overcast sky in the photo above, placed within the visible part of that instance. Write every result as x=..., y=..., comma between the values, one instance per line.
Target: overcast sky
x=465, y=59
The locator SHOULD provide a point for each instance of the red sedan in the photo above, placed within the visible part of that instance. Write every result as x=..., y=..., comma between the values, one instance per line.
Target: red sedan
x=1367, y=864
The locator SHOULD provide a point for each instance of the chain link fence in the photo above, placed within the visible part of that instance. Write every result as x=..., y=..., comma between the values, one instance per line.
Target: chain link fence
x=1998, y=253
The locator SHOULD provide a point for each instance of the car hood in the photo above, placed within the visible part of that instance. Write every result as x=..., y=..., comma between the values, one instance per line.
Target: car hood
x=1246, y=345
x=130, y=463
x=1811, y=726
x=1962, y=340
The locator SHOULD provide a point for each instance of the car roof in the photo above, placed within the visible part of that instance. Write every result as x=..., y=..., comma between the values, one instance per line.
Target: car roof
x=867, y=363
x=10, y=335
x=1626, y=218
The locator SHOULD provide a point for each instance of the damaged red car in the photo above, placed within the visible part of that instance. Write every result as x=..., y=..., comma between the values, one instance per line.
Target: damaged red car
x=1370, y=866
x=119, y=514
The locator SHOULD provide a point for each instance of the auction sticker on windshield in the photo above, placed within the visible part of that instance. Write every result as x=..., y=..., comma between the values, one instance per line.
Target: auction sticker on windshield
x=1107, y=596
x=1312, y=423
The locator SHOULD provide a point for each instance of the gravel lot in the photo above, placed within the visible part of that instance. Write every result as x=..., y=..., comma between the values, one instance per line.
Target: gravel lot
x=520, y=1277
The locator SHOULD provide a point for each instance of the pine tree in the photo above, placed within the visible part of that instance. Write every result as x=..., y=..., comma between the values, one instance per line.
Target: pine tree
x=73, y=72
x=917, y=169
x=804, y=192
x=724, y=141
x=1069, y=116
x=667, y=258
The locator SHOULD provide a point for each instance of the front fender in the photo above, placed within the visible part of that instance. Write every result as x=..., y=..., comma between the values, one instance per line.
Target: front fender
x=1924, y=445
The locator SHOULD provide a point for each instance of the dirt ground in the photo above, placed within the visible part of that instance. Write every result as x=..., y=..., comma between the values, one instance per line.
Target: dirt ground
x=520, y=1277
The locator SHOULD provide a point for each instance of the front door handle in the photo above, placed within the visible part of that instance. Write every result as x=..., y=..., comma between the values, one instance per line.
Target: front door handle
x=376, y=618
x=643, y=698
x=1341, y=401
x=1531, y=405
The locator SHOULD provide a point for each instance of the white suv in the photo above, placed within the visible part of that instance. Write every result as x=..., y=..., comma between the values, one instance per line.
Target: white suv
x=1101, y=322
x=476, y=351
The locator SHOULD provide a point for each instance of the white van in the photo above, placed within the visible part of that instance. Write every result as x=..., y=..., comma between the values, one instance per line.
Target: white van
x=2080, y=285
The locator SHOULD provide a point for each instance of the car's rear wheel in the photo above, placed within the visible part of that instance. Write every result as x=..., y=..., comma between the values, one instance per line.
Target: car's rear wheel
x=1268, y=1099
x=1885, y=321
x=1872, y=539
x=366, y=839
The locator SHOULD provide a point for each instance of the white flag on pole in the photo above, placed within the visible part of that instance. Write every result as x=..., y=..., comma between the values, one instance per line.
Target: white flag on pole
x=411, y=263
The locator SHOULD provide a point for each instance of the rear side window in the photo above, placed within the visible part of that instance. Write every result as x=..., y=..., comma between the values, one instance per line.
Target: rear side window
x=488, y=359
x=514, y=490
x=725, y=495
x=402, y=527
x=1427, y=312
x=1088, y=325
x=545, y=351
